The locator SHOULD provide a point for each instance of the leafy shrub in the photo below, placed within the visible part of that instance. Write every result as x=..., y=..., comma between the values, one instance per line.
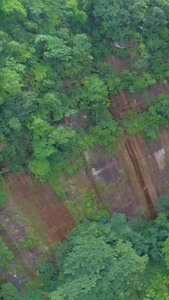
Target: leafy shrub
x=29, y=241
x=102, y=214
x=6, y=256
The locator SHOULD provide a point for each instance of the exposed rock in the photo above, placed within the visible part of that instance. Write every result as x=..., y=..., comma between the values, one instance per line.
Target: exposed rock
x=125, y=45
x=160, y=158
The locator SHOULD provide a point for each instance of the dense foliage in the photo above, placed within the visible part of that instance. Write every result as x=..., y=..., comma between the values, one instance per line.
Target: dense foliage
x=53, y=67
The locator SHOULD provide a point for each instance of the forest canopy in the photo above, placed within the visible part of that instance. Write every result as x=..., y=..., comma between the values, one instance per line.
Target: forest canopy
x=53, y=67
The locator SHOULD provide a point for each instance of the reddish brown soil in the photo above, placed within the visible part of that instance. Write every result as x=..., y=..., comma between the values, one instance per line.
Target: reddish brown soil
x=117, y=63
x=48, y=216
x=66, y=83
x=57, y=221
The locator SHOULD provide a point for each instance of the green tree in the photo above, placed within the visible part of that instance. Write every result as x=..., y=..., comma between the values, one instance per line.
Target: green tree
x=95, y=265
x=94, y=95
x=9, y=292
x=10, y=6
x=158, y=288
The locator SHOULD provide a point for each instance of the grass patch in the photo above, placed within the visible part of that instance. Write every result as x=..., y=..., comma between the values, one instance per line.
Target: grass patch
x=29, y=241
x=84, y=206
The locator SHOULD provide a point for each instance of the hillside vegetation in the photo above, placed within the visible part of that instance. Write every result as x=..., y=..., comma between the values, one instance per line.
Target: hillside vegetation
x=53, y=67
x=55, y=91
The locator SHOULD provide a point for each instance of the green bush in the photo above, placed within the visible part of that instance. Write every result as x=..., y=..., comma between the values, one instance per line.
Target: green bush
x=3, y=196
x=29, y=241
x=6, y=256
